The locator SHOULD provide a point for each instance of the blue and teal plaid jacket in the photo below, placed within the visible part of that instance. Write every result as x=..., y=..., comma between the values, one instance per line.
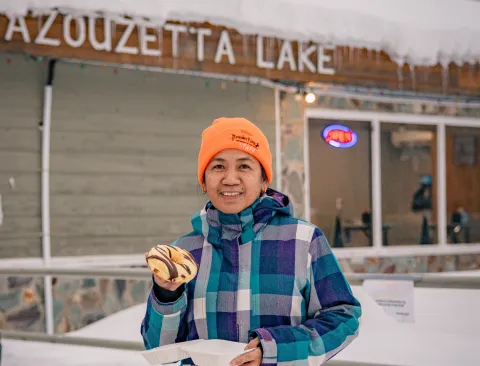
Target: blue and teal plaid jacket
x=262, y=273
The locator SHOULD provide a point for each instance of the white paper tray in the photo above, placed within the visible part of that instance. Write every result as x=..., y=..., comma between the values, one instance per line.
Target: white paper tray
x=213, y=352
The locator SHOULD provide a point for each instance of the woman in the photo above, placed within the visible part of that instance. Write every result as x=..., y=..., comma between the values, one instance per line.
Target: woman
x=265, y=278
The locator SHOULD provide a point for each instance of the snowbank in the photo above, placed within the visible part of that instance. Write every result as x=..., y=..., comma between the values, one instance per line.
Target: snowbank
x=445, y=333
x=122, y=326
x=22, y=353
x=420, y=32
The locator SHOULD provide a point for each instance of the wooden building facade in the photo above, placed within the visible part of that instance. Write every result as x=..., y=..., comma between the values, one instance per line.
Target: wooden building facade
x=124, y=139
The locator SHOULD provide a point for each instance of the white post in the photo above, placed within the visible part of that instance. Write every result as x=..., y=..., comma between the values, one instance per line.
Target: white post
x=377, y=232
x=278, y=140
x=441, y=186
x=48, y=295
x=306, y=160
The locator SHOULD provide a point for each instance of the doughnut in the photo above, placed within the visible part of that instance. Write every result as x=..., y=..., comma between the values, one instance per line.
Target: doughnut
x=172, y=263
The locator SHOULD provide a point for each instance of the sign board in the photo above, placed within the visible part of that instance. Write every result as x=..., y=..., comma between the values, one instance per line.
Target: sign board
x=211, y=48
x=395, y=297
x=339, y=136
x=147, y=42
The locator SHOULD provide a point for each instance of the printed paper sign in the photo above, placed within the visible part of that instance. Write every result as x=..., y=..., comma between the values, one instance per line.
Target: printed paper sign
x=395, y=298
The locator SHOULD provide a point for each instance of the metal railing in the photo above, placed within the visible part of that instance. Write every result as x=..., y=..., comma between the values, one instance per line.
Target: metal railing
x=430, y=280
x=72, y=340
x=427, y=280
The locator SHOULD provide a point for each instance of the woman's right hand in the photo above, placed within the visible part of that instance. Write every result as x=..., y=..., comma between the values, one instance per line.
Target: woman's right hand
x=166, y=285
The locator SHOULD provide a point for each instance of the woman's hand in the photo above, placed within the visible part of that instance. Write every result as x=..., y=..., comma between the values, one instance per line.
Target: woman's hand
x=166, y=285
x=252, y=358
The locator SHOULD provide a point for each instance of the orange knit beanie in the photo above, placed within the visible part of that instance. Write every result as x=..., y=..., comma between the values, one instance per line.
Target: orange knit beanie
x=234, y=133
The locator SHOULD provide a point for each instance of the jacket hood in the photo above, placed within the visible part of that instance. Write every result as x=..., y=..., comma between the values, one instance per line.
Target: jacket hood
x=215, y=225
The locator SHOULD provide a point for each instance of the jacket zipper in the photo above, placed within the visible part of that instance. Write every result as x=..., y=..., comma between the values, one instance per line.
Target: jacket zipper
x=236, y=292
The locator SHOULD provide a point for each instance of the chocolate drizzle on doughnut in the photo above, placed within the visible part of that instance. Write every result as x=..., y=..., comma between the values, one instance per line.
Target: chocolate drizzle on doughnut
x=164, y=255
x=190, y=258
x=172, y=270
x=184, y=266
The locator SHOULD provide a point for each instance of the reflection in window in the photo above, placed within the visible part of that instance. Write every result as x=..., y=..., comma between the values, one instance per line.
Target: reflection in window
x=408, y=184
x=340, y=185
x=463, y=177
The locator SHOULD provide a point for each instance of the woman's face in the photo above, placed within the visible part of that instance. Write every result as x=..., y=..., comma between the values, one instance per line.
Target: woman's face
x=233, y=181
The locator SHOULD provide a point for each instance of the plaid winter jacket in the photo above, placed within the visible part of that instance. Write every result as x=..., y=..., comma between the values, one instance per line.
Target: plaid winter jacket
x=262, y=273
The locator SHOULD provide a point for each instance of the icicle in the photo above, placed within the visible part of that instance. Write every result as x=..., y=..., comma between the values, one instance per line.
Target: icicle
x=426, y=74
x=77, y=28
x=445, y=77
x=377, y=55
x=245, y=40
x=459, y=71
x=400, y=62
x=267, y=48
x=39, y=23
x=413, y=76
x=340, y=57
x=336, y=56
x=345, y=55
x=351, y=50
x=270, y=48
x=400, y=77
x=175, y=57
x=245, y=50
x=113, y=30
x=471, y=66
x=160, y=40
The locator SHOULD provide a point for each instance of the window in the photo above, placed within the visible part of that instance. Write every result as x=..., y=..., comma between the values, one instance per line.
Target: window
x=340, y=183
x=463, y=190
x=408, y=184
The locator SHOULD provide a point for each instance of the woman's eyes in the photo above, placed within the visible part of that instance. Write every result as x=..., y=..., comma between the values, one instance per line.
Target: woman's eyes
x=241, y=167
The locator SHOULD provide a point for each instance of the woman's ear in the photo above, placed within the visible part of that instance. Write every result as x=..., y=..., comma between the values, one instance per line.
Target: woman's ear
x=264, y=187
x=204, y=188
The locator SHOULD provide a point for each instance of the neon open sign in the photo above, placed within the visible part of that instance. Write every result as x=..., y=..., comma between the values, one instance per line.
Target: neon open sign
x=339, y=136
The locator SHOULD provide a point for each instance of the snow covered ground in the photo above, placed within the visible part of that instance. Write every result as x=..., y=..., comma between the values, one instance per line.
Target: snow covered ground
x=125, y=325
x=20, y=353
x=445, y=333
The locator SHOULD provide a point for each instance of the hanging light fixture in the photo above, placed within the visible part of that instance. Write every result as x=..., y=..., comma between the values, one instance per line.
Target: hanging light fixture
x=310, y=98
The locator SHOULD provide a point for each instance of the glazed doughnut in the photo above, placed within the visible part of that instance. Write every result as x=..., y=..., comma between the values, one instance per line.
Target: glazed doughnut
x=172, y=263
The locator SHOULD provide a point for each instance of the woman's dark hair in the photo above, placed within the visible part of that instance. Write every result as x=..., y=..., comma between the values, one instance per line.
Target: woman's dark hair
x=264, y=175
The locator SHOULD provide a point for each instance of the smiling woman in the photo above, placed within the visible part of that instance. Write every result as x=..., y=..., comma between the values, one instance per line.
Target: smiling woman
x=230, y=171
x=265, y=278
x=233, y=181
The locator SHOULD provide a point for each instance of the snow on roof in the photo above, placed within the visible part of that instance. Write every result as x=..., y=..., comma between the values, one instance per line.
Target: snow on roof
x=420, y=32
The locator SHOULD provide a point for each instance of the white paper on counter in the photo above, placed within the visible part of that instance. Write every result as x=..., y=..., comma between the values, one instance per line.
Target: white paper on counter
x=394, y=297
